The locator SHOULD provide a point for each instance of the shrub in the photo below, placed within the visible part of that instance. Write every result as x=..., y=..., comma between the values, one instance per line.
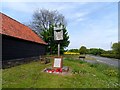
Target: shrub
x=110, y=72
x=81, y=62
x=77, y=71
x=110, y=55
x=93, y=65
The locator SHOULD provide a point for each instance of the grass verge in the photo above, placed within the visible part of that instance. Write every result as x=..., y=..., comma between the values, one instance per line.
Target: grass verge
x=83, y=75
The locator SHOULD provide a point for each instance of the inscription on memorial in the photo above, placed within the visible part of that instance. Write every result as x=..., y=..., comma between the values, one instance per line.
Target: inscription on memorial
x=57, y=62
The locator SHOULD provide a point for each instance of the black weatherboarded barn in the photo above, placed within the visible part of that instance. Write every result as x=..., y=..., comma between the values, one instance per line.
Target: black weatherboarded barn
x=19, y=41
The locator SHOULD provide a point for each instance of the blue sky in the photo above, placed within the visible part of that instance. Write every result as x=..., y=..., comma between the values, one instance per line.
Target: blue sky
x=92, y=24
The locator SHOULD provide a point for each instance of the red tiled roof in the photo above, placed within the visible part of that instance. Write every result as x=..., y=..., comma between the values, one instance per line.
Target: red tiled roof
x=11, y=27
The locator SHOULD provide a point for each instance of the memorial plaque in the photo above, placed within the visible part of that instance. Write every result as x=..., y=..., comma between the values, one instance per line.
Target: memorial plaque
x=57, y=62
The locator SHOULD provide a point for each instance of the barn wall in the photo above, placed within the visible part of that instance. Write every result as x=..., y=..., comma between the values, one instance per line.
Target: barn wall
x=13, y=48
x=0, y=51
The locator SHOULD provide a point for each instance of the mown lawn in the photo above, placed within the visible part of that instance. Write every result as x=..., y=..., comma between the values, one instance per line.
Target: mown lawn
x=83, y=75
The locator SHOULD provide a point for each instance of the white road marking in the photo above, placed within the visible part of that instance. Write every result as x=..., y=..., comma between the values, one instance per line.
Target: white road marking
x=100, y=61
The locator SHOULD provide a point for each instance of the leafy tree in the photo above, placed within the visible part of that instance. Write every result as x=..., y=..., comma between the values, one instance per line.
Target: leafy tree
x=43, y=24
x=96, y=51
x=74, y=50
x=116, y=49
x=48, y=36
x=83, y=50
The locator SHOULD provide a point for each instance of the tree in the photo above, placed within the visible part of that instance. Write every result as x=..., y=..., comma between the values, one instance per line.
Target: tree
x=116, y=49
x=96, y=51
x=43, y=19
x=48, y=36
x=74, y=50
x=43, y=24
x=83, y=50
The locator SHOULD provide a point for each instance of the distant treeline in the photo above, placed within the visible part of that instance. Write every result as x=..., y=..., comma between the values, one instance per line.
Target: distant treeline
x=114, y=53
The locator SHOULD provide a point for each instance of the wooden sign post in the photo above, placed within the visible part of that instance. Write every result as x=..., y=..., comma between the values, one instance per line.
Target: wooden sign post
x=58, y=36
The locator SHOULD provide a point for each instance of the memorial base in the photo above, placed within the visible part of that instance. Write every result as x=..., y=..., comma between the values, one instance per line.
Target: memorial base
x=65, y=69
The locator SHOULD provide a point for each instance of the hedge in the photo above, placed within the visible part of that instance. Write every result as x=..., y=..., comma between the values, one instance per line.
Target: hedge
x=111, y=56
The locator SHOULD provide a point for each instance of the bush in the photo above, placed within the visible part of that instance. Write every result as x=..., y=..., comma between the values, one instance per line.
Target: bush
x=81, y=62
x=77, y=71
x=110, y=56
x=94, y=65
x=110, y=72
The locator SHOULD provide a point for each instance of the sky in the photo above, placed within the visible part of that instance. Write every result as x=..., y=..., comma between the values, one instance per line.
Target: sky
x=93, y=24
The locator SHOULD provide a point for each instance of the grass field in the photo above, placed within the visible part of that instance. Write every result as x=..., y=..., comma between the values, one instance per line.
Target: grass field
x=83, y=75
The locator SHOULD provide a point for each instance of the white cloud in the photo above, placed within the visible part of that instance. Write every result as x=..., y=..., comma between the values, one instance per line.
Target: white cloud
x=21, y=6
x=80, y=19
x=31, y=6
x=60, y=1
x=78, y=15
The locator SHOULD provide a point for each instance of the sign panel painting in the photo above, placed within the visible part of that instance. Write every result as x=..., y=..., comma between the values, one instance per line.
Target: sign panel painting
x=58, y=35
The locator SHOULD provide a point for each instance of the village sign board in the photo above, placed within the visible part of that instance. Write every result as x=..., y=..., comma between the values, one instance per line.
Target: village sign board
x=58, y=35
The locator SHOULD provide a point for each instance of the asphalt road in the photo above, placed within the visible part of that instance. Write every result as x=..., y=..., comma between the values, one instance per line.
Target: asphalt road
x=109, y=61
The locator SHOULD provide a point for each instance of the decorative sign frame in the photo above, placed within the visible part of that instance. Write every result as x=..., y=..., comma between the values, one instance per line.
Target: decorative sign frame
x=58, y=35
x=58, y=62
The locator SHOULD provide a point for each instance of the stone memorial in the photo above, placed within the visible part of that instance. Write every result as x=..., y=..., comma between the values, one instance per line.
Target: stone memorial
x=57, y=62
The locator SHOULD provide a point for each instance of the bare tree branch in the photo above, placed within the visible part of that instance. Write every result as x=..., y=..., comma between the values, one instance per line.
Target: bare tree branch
x=43, y=19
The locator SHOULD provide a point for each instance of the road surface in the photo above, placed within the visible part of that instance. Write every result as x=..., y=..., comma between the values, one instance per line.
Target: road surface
x=109, y=61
